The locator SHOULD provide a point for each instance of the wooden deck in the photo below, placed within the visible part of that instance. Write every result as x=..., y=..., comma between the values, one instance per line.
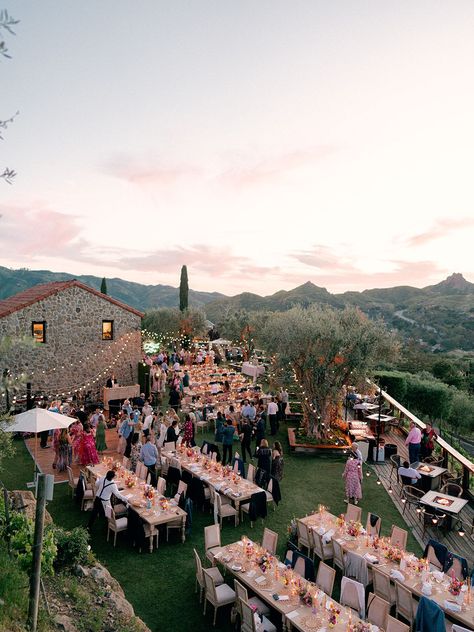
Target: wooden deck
x=45, y=456
x=462, y=545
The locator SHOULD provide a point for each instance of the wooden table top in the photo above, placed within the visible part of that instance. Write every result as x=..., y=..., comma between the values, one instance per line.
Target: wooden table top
x=451, y=504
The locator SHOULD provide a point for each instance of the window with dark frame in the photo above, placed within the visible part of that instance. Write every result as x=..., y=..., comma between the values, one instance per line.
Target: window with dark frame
x=38, y=330
x=107, y=330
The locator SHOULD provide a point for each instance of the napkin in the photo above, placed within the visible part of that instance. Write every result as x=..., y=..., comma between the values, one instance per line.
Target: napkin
x=283, y=597
x=452, y=605
x=293, y=614
x=397, y=575
x=250, y=574
x=260, y=579
x=218, y=554
x=320, y=530
x=327, y=537
x=371, y=558
x=438, y=575
x=427, y=589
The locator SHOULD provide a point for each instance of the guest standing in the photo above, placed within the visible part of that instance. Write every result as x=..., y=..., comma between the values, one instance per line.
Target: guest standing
x=188, y=435
x=428, y=438
x=246, y=438
x=64, y=441
x=219, y=434
x=227, y=442
x=149, y=456
x=135, y=452
x=352, y=476
x=277, y=461
x=100, y=443
x=272, y=412
x=264, y=457
x=87, y=451
x=413, y=441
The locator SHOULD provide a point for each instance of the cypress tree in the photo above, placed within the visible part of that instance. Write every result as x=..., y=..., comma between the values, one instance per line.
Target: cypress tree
x=103, y=286
x=183, y=289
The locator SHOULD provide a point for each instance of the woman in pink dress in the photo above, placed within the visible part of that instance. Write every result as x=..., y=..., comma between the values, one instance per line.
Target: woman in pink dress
x=87, y=451
x=353, y=477
x=75, y=430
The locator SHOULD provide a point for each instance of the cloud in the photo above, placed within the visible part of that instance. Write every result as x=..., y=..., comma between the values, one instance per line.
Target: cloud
x=152, y=174
x=441, y=228
x=323, y=258
x=273, y=168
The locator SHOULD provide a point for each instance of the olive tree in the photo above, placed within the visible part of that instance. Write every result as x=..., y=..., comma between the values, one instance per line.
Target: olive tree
x=326, y=349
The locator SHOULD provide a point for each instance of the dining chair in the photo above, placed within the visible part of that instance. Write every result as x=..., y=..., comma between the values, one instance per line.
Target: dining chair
x=399, y=537
x=353, y=595
x=113, y=524
x=353, y=513
x=203, y=424
x=72, y=481
x=405, y=605
x=214, y=571
x=373, y=525
x=320, y=548
x=254, y=602
x=304, y=538
x=325, y=578
x=432, y=520
x=225, y=510
x=452, y=489
x=458, y=628
x=248, y=620
x=169, y=446
x=382, y=586
x=269, y=493
x=217, y=596
x=377, y=611
x=431, y=549
x=182, y=488
x=270, y=540
x=339, y=560
x=410, y=497
x=251, y=473
x=88, y=496
x=212, y=540
x=126, y=462
x=394, y=625
x=395, y=462
x=161, y=486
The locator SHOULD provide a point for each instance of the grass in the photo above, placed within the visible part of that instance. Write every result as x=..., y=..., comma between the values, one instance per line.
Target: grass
x=161, y=585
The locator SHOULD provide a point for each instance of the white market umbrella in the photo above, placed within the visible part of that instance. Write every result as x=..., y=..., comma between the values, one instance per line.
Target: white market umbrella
x=38, y=420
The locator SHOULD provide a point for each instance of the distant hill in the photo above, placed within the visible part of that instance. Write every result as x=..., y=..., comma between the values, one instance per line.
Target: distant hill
x=440, y=316
x=136, y=295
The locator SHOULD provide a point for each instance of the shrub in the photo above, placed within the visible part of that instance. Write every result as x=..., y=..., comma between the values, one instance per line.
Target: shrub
x=73, y=547
x=394, y=382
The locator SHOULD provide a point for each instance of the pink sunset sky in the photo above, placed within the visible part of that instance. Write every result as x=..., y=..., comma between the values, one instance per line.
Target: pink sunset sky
x=262, y=143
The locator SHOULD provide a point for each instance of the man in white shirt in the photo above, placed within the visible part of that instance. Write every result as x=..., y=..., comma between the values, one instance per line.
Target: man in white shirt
x=272, y=412
x=147, y=424
x=409, y=472
x=104, y=488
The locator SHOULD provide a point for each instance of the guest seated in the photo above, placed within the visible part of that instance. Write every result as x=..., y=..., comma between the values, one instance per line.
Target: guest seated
x=408, y=472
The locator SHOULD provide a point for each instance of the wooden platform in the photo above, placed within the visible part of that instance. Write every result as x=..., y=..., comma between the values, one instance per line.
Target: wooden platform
x=462, y=545
x=45, y=456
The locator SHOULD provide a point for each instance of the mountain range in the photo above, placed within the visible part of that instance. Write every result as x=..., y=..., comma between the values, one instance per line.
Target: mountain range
x=440, y=316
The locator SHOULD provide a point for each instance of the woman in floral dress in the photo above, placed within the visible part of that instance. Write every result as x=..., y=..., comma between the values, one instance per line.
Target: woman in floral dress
x=353, y=477
x=87, y=451
x=75, y=430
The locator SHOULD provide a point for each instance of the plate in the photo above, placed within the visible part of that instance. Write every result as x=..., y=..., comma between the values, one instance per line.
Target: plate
x=236, y=567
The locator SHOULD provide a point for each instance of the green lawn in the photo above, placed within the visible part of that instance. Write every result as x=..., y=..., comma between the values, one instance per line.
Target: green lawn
x=161, y=585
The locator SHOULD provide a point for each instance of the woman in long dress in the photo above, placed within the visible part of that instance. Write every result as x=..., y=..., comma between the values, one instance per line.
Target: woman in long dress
x=353, y=477
x=100, y=443
x=64, y=441
x=87, y=450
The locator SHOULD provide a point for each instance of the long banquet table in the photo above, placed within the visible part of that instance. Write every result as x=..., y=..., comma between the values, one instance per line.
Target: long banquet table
x=324, y=522
x=276, y=581
x=154, y=516
x=238, y=489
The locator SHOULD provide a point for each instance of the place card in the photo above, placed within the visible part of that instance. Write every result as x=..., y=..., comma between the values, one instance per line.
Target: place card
x=293, y=614
x=260, y=580
x=283, y=597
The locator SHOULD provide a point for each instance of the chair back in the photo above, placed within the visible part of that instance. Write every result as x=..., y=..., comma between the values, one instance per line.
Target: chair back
x=325, y=578
x=240, y=592
x=161, y=487
x=404, y=602
x=452, y=489
x=204, y=449
x=214, y=456
x=338, y=555
x=164, y=466
x=394, y=625
x=169, y=446
x=396, y=460
x=399, y=537
x=406, y=480
x=236, y=466
x=212, y=536
x=317, y=542
x=458, y=628
x=210, y=586
x=198, y=562
x=179, y=441
x=353, y=595
x=126, y=462
x=70, y=476
x=300, y=566
x=377, y=611
x=381, y=584
x=270, y=540
x=248, y=621
x=182, y=488
x=374, y=523
x=433, y=558
x=303, y=534
x=353, y=513
x=141, y=471
x=458, y=566
x=251, y=473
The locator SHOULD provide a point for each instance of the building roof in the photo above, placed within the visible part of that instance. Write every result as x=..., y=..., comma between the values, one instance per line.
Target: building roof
x=44, y=290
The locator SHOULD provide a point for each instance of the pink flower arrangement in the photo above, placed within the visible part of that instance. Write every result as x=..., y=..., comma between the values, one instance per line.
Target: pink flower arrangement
x=334, y=613
x=393, y=554
x=360, y=626
x=455, y=586
x=149, y=492
x=354, y=528
x=264, y=562
x=164, y=504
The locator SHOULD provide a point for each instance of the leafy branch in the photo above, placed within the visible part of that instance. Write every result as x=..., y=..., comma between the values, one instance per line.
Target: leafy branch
x=6, y=23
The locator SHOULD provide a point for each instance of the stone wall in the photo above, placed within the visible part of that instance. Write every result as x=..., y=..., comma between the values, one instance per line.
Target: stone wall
x=74, y=355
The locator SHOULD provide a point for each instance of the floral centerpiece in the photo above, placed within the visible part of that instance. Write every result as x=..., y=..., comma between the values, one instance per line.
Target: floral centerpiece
x=360, y=626
x=376, y=542
x=455, y=586
x=418, y=565
x=354, y=528
x=149, y=492
x=393, y=554
x=235, y=478
x=264, y=562
x=249, y=549
x=305, y=595
x=341, y=521
x=334, y=613
x=130, y=481
x=226, y=471
x=207, y=464
x=189, y=452
x=164, y=504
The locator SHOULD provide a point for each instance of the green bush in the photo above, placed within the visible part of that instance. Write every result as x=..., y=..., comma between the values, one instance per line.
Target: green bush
x=430, y=398
x=394, y=382
x=73, y=547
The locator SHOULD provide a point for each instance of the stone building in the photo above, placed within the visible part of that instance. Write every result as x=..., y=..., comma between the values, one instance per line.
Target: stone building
x=80, y=335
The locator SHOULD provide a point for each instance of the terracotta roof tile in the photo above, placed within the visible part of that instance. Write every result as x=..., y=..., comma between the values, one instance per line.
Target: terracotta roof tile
x=39, y=292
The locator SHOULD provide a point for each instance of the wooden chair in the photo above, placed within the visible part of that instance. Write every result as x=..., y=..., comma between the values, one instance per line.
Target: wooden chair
x=394, y=625
x=377, y=611
x=169, y=446
x=161, y=486
x=353, y=513
x=353, y=596
x=225, y=510
x=126, y=462
x=214, y=571
x=217, y=596
x=248, y=619
x=212, y=541
x=251, y=473
x=382, y=586
x=304, y=538
x=325, y=578
x=320, y=549
x=270, y=540
x=452, y=489
x=113, y=524
x=373, y=525
x=254, y=602
x=202, y=424
x=339, y=556
x=399, y=537
x=405, y=605
x=72, y=482
x=182, y=488
x=88, y=497
x=432, y=520
x=176, y=525
x=269, y=493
